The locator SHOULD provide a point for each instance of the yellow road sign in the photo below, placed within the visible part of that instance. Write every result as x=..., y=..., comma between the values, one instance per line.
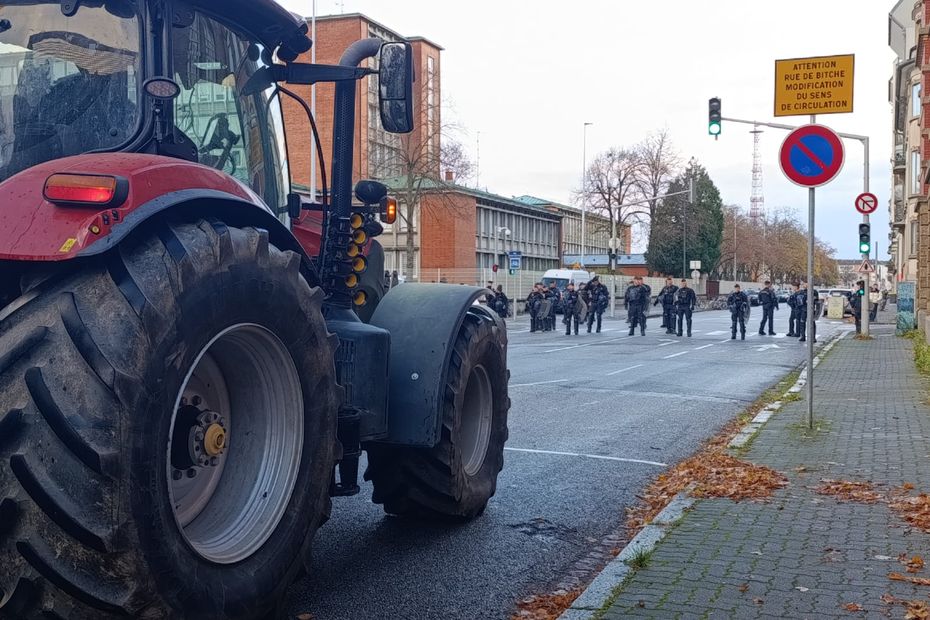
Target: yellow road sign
x=819, y=85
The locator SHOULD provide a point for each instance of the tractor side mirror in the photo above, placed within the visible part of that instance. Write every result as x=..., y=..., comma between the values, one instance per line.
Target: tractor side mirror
x=395, y=88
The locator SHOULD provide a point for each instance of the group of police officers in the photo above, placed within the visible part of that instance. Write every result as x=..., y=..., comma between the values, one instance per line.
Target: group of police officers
x=586, y=304
x=590, y=300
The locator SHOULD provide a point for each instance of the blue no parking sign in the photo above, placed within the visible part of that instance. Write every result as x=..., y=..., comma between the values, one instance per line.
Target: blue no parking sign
x=812, y=155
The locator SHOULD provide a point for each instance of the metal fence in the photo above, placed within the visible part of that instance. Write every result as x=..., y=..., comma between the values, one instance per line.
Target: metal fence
x=517, y=286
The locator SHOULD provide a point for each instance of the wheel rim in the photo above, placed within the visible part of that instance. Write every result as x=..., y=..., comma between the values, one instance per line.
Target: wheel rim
x=235, y=442
x=477, y=412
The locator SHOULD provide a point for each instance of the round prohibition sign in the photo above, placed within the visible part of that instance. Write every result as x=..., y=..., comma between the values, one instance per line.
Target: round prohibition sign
x=866, y=203
x=812, y=155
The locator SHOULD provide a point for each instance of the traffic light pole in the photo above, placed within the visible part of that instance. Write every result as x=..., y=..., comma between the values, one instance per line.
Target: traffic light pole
x=867, y=277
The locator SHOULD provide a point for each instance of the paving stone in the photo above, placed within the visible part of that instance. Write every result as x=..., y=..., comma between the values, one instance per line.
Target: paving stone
x=870, y=405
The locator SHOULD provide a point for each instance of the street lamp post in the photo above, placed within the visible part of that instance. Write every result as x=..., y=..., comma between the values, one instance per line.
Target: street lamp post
x=584, y=194
x=502, y=231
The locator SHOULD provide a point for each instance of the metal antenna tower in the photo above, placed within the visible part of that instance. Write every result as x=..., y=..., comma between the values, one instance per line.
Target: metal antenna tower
x=756, y=199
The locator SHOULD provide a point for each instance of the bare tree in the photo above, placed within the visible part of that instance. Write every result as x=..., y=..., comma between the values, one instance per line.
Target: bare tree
x=610, y=184
x=660, y=163
x=428, y=160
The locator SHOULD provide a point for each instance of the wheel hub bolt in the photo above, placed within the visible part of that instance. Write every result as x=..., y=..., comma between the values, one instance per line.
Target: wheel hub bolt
x=191, y=472
x=176, y=474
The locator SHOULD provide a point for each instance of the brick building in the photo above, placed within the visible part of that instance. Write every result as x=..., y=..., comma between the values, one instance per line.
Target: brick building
x=909, y=37
x=378, y=153
x=464, y=231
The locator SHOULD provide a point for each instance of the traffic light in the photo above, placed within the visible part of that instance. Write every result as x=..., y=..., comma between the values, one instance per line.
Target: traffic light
x=714, y=117
x=512, y=272
x=865, y=242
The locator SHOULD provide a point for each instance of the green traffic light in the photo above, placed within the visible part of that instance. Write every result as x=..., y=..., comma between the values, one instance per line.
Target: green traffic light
x=865, y=248
x=713, y=129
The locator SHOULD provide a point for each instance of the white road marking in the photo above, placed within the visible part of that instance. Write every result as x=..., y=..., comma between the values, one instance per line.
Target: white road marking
x=727, y=340
x=538, y=383
x=674, y=355
x=668, y=343
x=578, y=346
x=588, y=456
x=593, y=402
x=704, y=347
x=616, y=372
x=719, y=332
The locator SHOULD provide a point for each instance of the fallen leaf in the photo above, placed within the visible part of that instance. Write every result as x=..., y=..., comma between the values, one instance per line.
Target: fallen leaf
x=641, y=604
x=919, y=581
x=914, y=510
x=744, y=587
x=852, y=607
x=915, y=564
x=758, y=601
x=710, y=473
x=888, y=599
x=907, y=486
x=546, y=606
x=846, y=491
x=916, y=610
x=882, y=557
x=304, y=616
x=801, y=588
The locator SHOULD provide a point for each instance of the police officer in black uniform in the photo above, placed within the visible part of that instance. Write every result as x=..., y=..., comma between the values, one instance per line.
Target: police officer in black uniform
x=533, y=303
x=667, y=297
x=599, y=299
x=737, y=303
x=793, y=304
x=802, y=312
x=637, y=300
x=856, y=302
x=769, y=302
x=685, y=300
x=570, y=299
x=554, y=295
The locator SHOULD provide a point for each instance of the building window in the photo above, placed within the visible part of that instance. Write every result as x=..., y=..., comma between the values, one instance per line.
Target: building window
x=915, y=100
x=915, y=172
x=915, y=237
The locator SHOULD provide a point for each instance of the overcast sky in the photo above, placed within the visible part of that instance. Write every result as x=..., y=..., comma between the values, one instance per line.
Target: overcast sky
x=527, y=75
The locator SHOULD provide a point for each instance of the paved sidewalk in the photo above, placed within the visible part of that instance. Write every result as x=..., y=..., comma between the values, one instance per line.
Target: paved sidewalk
x=802, y=554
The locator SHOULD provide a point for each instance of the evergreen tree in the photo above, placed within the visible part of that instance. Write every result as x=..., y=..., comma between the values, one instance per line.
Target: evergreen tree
x=700, y=224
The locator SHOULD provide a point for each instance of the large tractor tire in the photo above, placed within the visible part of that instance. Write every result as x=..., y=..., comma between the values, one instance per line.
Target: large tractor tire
x=167, y=431
x=456, y=478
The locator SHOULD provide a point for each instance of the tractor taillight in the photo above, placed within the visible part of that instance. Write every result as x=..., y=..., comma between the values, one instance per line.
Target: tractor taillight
x=84, y=189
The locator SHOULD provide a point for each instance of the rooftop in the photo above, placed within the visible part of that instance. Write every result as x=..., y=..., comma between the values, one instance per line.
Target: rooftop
x=365, y=18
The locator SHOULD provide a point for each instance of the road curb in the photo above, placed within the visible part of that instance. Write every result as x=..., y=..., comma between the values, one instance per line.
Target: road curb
x=749, y=431
x=602, y=587
x=600, y=591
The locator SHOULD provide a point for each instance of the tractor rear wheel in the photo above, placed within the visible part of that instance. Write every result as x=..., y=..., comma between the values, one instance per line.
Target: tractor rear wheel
x=456, y=478
x=167, y=431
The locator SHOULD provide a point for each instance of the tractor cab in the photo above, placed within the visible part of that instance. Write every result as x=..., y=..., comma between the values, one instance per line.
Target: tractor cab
x=199, y=370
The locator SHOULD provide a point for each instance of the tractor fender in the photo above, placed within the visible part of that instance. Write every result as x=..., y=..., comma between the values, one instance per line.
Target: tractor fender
x=423, y=320
x=191, y=204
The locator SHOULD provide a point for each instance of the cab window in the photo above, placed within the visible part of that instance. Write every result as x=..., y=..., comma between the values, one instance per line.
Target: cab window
x=242, y=135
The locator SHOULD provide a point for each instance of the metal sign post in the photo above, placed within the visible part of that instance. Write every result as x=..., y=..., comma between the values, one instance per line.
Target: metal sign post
x=811, y=200
x=811, y=156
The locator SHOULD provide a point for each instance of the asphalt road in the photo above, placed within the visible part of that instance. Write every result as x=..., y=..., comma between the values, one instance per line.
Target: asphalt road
x=594, y=418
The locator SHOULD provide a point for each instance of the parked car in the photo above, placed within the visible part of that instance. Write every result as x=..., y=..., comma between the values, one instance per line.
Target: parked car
x=783, y=294
x=753, y=295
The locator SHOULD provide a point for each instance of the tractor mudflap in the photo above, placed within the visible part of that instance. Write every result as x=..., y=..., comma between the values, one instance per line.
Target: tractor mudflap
x=423, y=320
x=448, y=403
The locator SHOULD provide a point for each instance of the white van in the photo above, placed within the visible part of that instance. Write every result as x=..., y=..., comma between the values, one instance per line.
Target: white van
x=562, y=277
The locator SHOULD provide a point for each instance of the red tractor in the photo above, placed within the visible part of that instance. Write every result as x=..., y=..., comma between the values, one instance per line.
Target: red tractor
x=190, y=352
